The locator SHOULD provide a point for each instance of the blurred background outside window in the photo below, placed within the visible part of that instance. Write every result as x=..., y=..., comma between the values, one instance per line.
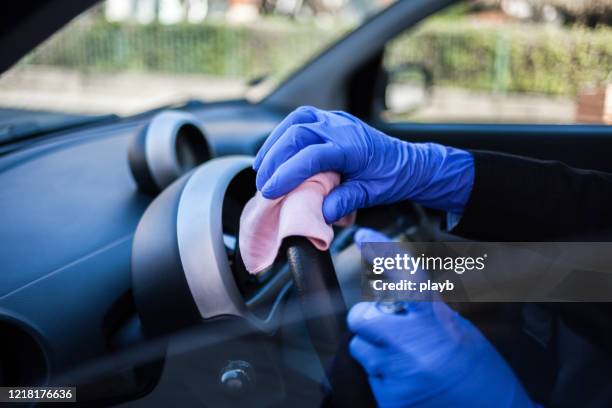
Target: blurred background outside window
x=126, y=56
x=505, y=61
x=518, y=61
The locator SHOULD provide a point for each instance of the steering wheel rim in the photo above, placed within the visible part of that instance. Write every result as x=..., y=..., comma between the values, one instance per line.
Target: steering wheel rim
x=318, y=288
x=324, y=310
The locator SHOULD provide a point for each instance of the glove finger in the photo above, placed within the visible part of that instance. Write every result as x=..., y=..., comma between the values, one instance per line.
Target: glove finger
x=363, y=235
x=303, y=114
x=296, y=138
x=365, y=320
x=366, y=354
x=368, y=235
x=343, y=200
x=306, y=163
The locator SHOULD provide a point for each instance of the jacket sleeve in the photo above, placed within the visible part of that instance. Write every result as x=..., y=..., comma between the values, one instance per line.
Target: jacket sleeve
x=520, y=199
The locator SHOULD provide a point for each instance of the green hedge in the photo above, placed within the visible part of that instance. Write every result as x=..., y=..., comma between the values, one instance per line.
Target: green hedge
x=517, y=58
x=214, y=49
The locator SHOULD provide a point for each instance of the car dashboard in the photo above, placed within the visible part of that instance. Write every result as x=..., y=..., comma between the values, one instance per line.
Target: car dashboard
x=69, y=208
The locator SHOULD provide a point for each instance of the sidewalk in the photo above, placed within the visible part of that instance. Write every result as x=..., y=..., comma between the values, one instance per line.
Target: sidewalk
x=56, y=89
x=44, y=88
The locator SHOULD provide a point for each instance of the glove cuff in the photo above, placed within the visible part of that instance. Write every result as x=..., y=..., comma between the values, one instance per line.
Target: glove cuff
x=440, y=177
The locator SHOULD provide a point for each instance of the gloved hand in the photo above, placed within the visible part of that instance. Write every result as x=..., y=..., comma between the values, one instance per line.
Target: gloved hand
x=376, y=168
x=427, y=355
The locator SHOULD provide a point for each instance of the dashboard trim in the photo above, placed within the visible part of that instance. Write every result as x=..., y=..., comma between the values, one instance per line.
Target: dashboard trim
x=200, y=240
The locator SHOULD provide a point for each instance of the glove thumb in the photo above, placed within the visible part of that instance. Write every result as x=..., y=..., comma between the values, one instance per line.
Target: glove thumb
x=343, y=200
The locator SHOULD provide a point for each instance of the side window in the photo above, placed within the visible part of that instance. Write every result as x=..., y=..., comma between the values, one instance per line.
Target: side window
x=503, y=62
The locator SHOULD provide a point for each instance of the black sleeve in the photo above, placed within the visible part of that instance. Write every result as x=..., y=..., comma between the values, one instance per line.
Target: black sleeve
x=521, y=199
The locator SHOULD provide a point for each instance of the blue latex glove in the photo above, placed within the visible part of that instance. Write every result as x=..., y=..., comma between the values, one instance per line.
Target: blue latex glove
x=376, y=168
x=426, y=355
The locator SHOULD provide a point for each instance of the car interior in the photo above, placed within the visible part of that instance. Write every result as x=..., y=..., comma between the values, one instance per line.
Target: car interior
x=121, y=272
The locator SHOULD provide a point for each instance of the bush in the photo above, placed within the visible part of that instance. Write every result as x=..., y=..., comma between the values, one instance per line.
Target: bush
x=516, y=58
x=213, y=49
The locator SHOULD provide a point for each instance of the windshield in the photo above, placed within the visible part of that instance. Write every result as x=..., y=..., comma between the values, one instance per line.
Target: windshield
x=124, y=57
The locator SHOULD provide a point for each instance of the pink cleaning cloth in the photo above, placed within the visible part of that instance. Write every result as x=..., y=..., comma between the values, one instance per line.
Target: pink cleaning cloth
x=265, y=223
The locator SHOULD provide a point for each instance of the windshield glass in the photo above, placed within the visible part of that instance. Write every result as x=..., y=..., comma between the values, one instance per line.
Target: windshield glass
x=127, y=56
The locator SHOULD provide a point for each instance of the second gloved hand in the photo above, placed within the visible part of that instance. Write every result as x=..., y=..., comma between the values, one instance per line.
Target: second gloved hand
x=428, y=356
x=376, y=169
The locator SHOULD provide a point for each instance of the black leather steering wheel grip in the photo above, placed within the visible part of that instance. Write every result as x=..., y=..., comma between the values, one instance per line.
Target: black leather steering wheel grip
x=325, y=312
x=323, y=307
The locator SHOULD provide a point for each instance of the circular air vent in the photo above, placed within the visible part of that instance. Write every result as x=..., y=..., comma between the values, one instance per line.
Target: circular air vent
x=167, y=147
x=22, y=359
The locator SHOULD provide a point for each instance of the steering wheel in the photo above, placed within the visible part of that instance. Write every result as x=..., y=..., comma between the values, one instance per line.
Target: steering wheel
x=323, y=307
x=324, y=311
x=182, y=274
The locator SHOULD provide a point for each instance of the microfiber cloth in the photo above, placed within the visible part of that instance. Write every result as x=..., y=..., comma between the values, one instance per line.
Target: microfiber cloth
x=265, y=223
